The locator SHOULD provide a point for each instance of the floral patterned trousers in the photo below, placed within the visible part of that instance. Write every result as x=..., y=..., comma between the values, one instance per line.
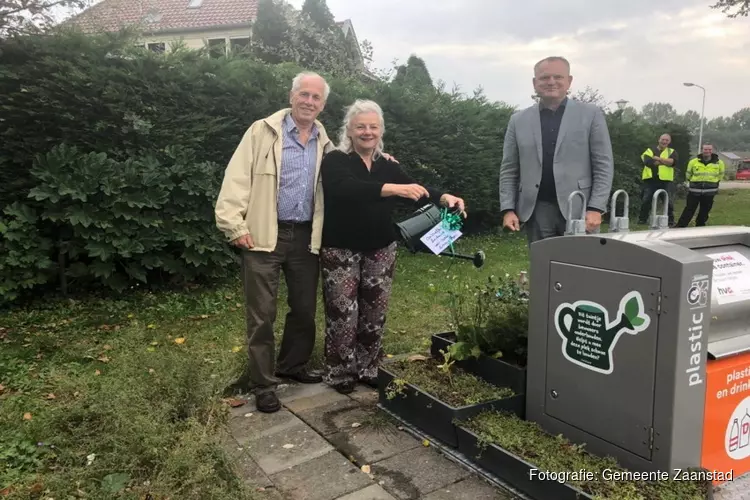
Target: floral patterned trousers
x=356, y=290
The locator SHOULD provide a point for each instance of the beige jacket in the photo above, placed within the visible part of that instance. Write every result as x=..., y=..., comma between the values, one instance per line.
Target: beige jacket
x=247, y=202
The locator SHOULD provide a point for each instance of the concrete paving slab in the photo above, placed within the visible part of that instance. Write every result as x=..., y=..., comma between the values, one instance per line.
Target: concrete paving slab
x=294, y=391
x=336, y=416
x=246, y=429
x=365, y=395
x=316, y=401
x=371, y=444
x=325, y=478
x=286, y=448
x=374, y=492
x=739, y=489
x=249, y=471
x=472, y=488
x=416, y=473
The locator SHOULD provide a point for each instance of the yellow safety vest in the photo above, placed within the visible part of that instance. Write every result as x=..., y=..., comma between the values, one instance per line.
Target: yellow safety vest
x=665, y=173
x=704, y=176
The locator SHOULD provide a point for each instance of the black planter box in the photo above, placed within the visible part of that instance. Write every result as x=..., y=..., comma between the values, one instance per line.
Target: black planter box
x=432, y=415
x=514, y=470
x=494, y=371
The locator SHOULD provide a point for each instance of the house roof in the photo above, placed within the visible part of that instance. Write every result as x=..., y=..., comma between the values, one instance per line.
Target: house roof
x=737, y=155
x=165, y=15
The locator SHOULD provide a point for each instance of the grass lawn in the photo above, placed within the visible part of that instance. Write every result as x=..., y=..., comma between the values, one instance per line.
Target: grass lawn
x=121, y=397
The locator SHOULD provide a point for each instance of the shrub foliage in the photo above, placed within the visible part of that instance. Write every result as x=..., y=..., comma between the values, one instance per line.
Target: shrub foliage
x=111, y=156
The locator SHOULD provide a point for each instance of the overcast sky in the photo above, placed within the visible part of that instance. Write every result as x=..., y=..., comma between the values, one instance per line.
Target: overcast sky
x=637, y=50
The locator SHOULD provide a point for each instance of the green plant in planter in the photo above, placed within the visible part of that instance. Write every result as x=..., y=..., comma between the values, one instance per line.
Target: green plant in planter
x=449, y=384
x=491, y=319
x=530, y=442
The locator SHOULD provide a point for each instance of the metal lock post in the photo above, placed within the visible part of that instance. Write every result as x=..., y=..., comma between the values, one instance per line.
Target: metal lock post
x=619, y=224
x=576, y=226
x=660, y=221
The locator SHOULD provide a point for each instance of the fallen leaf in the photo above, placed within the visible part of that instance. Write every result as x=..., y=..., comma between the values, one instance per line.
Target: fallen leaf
x=238, y=305
x=107, y=347
x=425, y=442
x=417, y=357
x=288, y=446
x=151, y=371
x=179, y=340
x=36, y=488
x=51, y=396
x=90, y=459
x=365, y=469
x=2, y=388
x=97, y=373
x=103, y=359
x=27, y=416
x=76, y=394
x=236, y=402
x=151, y=326
x=131, y=316
x=151, y=349
x=356, y=424
x=389, y=355
x=6, y=491
x=248, y=415
x=154, y=343
x=236, y=348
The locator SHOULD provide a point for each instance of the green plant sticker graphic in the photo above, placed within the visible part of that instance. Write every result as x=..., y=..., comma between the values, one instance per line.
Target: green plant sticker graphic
x=589, y=337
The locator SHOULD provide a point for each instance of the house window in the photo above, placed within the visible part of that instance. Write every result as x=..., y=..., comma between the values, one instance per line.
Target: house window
x=157, y=47
x=239, y=44
x=217, y=47
x=194, y=4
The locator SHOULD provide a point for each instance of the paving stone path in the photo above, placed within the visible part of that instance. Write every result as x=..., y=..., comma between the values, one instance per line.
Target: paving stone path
x=315, y=446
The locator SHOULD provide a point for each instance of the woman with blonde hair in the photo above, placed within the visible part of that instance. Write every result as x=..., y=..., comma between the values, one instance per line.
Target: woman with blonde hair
x=360, y=188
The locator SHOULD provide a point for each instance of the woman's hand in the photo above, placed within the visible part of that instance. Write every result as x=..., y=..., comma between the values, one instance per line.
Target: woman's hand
x=412, y=191
x=451, y=201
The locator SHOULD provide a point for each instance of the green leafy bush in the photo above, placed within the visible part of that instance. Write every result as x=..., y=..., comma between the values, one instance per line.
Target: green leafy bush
x=145, y=219
x=491, y=320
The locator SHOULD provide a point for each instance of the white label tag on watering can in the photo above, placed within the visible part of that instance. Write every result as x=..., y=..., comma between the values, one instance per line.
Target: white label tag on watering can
x=438, y=238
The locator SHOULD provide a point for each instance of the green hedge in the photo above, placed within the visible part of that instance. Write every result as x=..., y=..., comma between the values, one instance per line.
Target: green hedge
x=111, y=156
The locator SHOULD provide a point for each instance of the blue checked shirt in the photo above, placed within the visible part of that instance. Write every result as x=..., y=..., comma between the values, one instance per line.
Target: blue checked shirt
x=297, y=183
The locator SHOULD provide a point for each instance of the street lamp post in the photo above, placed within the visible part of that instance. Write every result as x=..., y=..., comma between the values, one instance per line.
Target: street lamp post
x=621, y=104
x=703, y=109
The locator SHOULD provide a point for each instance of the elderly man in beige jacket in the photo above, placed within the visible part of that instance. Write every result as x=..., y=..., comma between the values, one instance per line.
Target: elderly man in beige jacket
x=271, y=206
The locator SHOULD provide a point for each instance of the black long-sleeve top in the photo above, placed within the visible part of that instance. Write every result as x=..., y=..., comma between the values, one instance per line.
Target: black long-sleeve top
x=356, y=216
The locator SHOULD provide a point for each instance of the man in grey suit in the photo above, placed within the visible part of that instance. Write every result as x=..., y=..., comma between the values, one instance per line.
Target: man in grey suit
x=550, y=150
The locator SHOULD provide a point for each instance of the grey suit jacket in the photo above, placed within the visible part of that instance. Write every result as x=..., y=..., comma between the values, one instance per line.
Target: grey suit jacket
x=583, y=160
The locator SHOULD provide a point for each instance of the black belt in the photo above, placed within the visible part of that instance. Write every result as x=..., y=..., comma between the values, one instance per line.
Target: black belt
x=295, y=223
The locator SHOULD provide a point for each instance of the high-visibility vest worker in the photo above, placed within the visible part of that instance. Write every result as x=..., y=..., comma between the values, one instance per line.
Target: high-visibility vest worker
x=664, y=173
x=704, y=174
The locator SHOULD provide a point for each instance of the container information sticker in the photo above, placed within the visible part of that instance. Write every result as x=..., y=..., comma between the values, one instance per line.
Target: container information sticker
x=731, y=281
x=737, y=436
x=438, y=238
x=589, y=334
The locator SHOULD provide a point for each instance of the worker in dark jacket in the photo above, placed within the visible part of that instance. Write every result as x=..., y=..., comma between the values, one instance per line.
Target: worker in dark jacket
x=704, y=173
x=658, y=173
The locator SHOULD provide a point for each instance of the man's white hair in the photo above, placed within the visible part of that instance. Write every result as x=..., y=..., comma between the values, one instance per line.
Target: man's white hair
x=297, y=83
x=359, y=107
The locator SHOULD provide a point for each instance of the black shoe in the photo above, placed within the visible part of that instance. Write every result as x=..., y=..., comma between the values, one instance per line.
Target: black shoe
x=303, y=377
x=267, y=402
x=370, y=381
x=344, y=388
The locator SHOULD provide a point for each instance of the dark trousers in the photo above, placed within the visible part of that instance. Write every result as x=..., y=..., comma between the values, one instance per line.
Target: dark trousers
x=356, y=290
x=694, y=201
x=547, y=222
x=650, y=187
x=261, y=275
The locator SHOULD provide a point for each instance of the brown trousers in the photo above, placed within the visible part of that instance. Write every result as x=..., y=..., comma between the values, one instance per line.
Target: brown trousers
x=261, y=272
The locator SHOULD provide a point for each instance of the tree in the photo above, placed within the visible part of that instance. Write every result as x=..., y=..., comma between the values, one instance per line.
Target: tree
x=659, y=112
x=271, y=33
x=30, y=16
x=591, y=96
x=413, y=73
x=319, y=14
x=726, y=6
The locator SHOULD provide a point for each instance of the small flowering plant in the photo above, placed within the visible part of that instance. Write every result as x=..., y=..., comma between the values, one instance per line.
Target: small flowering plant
x=491, y=319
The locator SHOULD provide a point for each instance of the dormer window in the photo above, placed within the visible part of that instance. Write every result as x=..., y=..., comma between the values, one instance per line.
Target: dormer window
x=194, y=4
